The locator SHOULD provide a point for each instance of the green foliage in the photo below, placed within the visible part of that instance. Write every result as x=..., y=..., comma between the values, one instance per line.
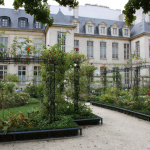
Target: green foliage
x=14, y=99
x=39, y=8
x=14, y=122
x=132, y=6
x=35, y=91
x=12, y=78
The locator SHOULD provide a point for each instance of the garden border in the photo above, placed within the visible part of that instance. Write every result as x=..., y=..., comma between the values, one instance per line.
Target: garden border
x=39, y=134
x=89, y=121
x=123, y=110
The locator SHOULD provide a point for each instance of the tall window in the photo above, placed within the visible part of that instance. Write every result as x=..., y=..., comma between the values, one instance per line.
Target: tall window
x=126, y=74
x=89, y=48
x=22, y=51
x=38, y=46
x=3, y=44
x=126, y=51
x=61, y=42
x=114, y=31
x=137, y=46
x=102, y=49
x=37, y=77
x=3, y=71
x=102, y=30
x=76, y=45
x=22, y=73
x=115, y=50
x=126, y=32
x=89, y=29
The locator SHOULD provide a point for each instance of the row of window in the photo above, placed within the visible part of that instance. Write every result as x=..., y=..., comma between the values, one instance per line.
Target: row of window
x=22, y=22
x=103, y=48
x=102, y=28
x=22, y=73
x=21, y=51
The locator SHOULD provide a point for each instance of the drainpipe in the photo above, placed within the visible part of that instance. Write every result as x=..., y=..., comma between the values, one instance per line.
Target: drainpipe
x=131, y=62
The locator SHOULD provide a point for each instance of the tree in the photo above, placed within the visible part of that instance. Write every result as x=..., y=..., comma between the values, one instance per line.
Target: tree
x=132, y=6
x=39, y=8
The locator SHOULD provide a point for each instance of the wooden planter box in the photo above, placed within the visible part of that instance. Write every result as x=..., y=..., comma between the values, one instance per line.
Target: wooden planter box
x=39, y=134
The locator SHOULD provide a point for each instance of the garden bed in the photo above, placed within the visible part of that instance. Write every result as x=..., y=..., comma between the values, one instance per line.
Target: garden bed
x=40, y=134
x=123, y=110
x=89, y=99
x=89, y=121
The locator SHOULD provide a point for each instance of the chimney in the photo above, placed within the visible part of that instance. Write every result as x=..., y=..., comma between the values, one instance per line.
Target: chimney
x=76, y=12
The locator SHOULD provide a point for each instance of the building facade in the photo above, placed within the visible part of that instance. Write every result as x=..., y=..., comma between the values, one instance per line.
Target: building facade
x=102, y=35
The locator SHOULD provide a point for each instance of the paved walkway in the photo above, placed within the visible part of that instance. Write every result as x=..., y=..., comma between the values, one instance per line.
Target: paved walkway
x=118, y=132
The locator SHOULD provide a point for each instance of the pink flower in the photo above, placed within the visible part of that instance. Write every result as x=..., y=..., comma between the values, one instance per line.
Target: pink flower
x=126, y=60
x=123, y=63
x=137, y=62
x=91, y=63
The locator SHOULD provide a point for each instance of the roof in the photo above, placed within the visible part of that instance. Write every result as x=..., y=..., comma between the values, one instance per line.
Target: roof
x=142, y=27
x=15, y=15
x=60, y=18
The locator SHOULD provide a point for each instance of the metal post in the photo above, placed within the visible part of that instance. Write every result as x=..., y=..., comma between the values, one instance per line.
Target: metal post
x=76, y=86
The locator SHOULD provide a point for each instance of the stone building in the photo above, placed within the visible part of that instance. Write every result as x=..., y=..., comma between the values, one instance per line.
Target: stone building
x=97, y=31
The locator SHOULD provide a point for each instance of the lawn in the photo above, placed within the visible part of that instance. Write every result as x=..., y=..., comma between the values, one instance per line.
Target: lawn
x=23, y=109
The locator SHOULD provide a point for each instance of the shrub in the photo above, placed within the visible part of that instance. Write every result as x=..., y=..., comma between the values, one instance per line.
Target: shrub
x=35, y=91
x=108, y=98
x=16, y=121
x=15, y=99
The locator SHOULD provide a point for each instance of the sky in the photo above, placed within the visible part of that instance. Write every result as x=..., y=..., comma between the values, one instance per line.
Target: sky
x=112, y=4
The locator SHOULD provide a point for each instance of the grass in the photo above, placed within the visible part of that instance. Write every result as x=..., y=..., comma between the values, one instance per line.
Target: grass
x=23, y=109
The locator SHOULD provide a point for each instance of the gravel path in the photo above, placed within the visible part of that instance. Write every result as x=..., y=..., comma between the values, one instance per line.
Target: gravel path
x=118, y=132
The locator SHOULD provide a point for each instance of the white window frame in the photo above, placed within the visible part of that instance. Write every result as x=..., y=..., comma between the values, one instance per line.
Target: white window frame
x=103, y=50
x=115, y=31
x=90, y=29
x=22, y=73
x=103, y=30
x=126, y=32
x=76, y=46
x=137, y=47
x=3, y=44
x=63, y=44
x=22, y=50
x=90, y=48
x=115, y=50
x=38, y=46
x=3, y=71
x=36, y=74
x=127, y=76
x=126, y=51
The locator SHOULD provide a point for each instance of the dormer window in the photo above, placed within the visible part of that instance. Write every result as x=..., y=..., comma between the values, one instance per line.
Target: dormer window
x=4, y=21
x=103, y=30
x=76, y=23
x=38, y=25
x=89, y=27
x=102, y=27
x=125, y=31
x=23, y=22
x=114, y=30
